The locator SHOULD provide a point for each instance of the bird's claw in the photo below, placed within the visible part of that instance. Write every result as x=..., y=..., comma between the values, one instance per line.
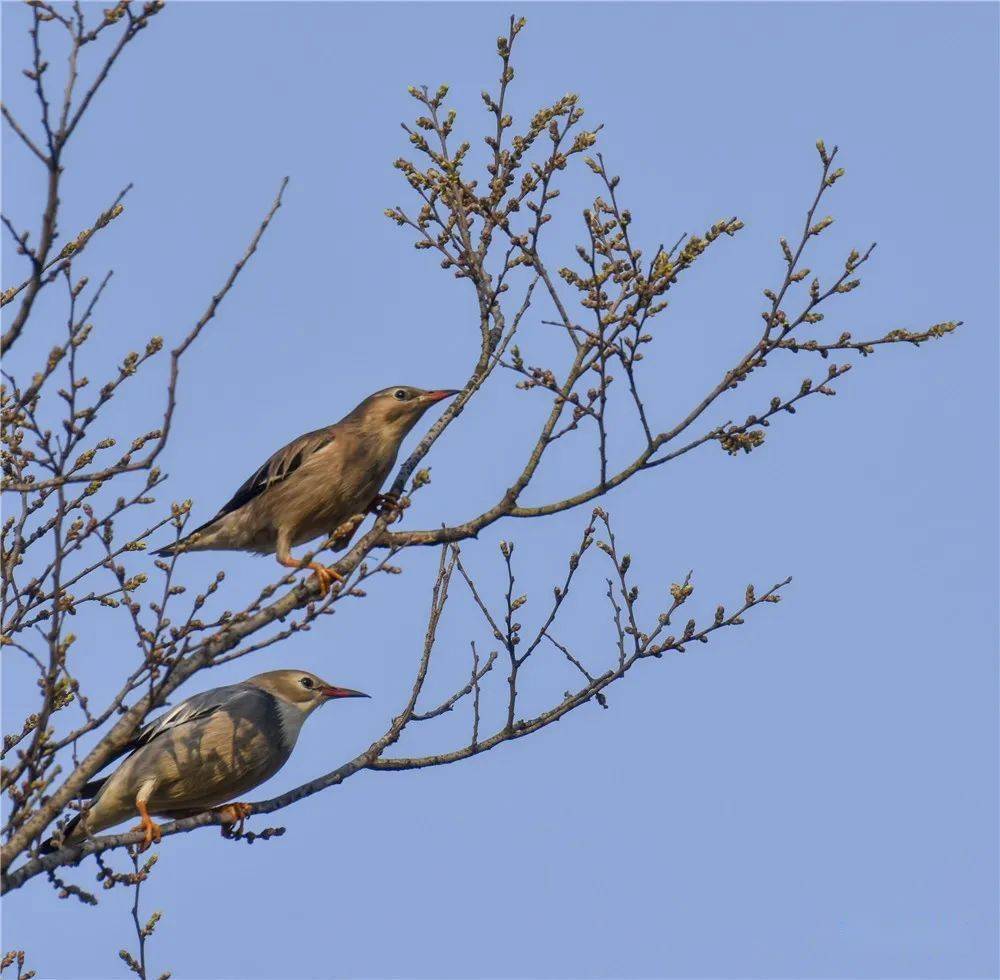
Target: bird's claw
x=327, y=577
x=233, y=813
x=388, y=504
x=383, y=501
x=152, y=832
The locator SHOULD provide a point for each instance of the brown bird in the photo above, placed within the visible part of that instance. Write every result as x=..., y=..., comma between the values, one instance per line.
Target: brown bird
x=204, y=752
x=317, y=482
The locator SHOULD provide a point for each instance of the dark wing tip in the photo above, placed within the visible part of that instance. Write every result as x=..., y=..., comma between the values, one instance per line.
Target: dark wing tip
x=49, y=846
x=278, y=467
x=91, y=789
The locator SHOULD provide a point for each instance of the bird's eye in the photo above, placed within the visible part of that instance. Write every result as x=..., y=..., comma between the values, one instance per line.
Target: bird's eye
x=401, y=394
x=307, y=682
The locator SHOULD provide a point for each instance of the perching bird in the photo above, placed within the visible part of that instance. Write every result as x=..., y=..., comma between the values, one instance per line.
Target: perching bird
x=316, y=483
x=206, y=751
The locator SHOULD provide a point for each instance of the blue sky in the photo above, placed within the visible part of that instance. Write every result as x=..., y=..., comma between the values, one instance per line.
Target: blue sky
x=813, y=795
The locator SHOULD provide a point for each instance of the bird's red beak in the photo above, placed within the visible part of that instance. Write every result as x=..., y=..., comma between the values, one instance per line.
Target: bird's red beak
x=436, y=396
x=342, y=692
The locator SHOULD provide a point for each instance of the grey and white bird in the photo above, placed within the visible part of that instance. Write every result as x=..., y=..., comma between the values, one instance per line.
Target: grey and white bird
x=203, y=753
x=316, y=483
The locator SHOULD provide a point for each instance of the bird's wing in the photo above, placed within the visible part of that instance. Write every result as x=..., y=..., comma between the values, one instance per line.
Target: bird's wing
x=234, y=698
x=231, y=698
x=279, y=467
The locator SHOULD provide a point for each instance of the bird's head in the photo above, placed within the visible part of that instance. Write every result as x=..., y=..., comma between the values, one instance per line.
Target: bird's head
x=300, y=689
x=398, y=409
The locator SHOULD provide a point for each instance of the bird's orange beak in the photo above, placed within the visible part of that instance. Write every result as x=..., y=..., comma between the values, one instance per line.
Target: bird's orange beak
x=436, y=396
x=342, y=692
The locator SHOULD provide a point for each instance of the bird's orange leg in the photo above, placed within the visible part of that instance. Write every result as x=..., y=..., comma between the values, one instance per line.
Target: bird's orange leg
x=233, y=813
x=325, y=576
x=146, y=824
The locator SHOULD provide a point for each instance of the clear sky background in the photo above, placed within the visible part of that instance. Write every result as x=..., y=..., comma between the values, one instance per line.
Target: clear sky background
x=812, y=795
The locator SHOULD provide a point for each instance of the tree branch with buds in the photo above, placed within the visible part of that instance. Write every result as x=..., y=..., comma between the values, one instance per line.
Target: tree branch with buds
x=74, y=541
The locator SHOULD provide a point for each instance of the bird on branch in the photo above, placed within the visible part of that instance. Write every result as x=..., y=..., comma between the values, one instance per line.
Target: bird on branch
x=206, y=751
x=322, y=483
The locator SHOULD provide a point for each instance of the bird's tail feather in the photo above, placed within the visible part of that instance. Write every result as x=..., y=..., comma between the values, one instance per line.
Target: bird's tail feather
x=188, y=543
x=87, y=792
